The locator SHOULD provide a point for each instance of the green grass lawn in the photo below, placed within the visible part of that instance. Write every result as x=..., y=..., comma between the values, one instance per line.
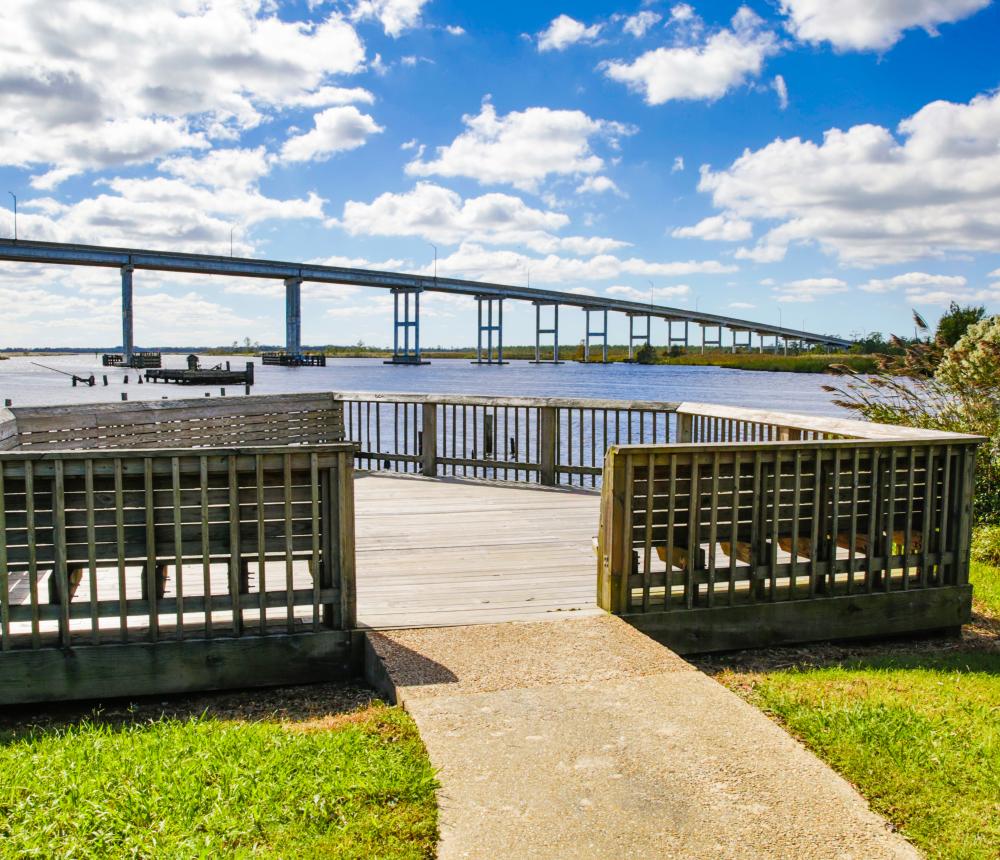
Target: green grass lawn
x=915, y=726
x=355, y=785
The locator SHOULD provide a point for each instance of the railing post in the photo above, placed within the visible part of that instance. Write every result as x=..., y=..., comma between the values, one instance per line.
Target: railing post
x=963, y=495
x=683, y=427
x=612, y=562
x=428, y=450
x=548, y=437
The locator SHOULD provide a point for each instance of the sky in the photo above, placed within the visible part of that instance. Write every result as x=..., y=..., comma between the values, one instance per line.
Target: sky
x=828, y=166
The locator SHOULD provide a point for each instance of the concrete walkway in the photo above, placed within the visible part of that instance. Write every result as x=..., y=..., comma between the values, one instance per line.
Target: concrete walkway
x=584, y=739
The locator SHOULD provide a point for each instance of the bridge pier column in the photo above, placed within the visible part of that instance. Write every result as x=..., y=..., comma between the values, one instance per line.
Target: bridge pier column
x=293, y=316
x=603, y=335
x=633, y=337
x=128, y=341
x=410, y=321
x=492, y=356
x=539, y=331
x=680, y=339
x=717, y=342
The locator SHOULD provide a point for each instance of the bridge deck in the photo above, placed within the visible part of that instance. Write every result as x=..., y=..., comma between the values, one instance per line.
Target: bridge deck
x=448, y=551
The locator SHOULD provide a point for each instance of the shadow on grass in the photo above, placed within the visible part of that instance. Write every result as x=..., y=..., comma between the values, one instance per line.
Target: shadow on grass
x=299, y=704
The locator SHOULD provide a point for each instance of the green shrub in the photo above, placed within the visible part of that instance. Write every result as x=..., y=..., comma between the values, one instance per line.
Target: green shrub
x=986, y=545
x=645, y=354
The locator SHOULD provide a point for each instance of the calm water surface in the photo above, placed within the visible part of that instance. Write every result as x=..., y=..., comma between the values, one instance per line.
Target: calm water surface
x=26, y=384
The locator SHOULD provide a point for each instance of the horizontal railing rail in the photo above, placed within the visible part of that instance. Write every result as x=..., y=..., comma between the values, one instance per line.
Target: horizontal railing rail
x=287, y=419
x=551, y=441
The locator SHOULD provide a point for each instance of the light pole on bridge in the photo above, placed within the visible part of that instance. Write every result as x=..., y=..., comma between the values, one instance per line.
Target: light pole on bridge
x=12, y=194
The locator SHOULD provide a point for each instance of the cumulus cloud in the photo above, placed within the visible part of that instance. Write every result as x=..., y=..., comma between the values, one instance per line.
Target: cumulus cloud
x=912, y=279
x=678, y=165
x=631, y=294
x=522, y=148
x=867, y=25
x=395, y=16
x=441, y=215
x=565, y=31
x=720, y=228
x=476, y=262
x=335, y=129
x=102, y=85
x=597, y=185
x=781, y=88
x=871, y=197
x=703, y=70
x=809, y=289
x=637, y=25
x=926, y=296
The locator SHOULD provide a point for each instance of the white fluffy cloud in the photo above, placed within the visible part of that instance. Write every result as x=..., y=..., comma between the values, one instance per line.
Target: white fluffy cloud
x=335, y=129
x=638, y=24
x=395, y=16
x=100, y=85
x=565, y=31
x=472, y=260
x=926, y=296
x=703, y=70
x=720, y=228
x=870, y=196
x=870, y=25
x=680, y=291
x=781, y=88
x=522, y=148
x=910, y=280
x=597, y=185
x=809, y=289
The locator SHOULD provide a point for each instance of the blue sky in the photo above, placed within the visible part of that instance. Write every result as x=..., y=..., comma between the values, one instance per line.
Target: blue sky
x=826, y=165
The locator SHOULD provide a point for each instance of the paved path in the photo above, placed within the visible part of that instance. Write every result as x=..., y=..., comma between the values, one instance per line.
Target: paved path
x=584, y=739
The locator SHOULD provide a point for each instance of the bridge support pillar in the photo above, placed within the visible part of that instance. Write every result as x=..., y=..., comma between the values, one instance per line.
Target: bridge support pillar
x=643, y=336
x=716, y=342
x=293, y=316
x=409, y=321
x=128, y=342
x=602, y=334
x=679, y=339
x=748, y=345
x=539, y=331
x=493, y=356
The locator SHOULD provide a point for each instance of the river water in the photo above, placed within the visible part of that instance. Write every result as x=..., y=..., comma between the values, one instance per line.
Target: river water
x=26, y=384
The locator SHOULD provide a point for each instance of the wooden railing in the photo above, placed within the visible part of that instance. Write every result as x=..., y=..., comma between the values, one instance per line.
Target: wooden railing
x=551, y=441
x=286, y=419
x=125, y=572
x=807, y=516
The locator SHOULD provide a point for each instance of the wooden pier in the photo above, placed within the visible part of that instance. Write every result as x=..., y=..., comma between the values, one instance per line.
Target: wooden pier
x=202, y=376
x=285, y=359
x=139, y=360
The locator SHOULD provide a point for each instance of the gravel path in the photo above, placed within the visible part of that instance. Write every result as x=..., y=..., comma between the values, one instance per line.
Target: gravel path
x=582, y=738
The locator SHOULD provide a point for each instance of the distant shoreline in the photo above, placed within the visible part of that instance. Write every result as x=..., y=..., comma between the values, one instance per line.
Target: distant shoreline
x=809, y=362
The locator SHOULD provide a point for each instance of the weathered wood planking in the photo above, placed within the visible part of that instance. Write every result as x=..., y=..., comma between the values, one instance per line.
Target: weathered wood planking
x=284, y=419
x=453, y=551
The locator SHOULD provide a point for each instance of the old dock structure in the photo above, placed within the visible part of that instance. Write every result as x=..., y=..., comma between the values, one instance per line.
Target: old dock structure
x=406, y=290
x=194, y=374
x=169, y=546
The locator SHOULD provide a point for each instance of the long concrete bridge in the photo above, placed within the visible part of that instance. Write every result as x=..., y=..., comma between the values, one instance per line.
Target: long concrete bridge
x=406, y=290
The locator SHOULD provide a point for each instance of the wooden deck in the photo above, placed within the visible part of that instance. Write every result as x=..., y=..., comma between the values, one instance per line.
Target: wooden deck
x=444, y=551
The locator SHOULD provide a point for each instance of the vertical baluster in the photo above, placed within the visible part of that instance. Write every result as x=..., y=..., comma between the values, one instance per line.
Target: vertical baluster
x=120, y=548
x=234, y=546
x=175, y=494
x=261, y=545
x=890, y=526
x=874, y=516
x=817, y=512
x=834, y=527
x=694, y=512
x=944, y=568
x=88, y=501
x=908, y=528
x=647, y=542
x=628, y=544
x=758, y=524
x=713, y=526
x=928, y=502
x=206, y=560
x=796, y=501
x=772, y=562
x=152, y=586
x=852, y=536
x=60, y=571
x=734, y=527
x=671, y=509
x=29, y=508
x=314, y=532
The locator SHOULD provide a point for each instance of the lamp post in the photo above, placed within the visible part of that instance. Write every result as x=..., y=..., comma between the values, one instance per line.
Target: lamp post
x=231, y=240
x=435, y=260
x=12, y=194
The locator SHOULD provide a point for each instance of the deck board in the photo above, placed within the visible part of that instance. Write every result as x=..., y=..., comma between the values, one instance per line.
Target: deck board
x=450, y=551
